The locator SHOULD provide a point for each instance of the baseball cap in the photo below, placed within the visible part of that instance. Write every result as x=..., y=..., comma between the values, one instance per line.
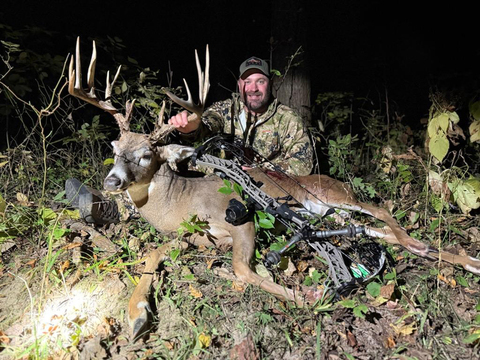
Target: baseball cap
x=253, y=63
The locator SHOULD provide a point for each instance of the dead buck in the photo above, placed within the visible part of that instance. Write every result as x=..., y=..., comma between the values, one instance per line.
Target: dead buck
x=164, y=198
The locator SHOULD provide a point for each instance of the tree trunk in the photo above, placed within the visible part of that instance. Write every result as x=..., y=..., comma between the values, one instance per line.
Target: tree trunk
x=288, y=43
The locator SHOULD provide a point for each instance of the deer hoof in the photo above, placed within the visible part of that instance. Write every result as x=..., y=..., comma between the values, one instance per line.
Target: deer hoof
x=140, y=320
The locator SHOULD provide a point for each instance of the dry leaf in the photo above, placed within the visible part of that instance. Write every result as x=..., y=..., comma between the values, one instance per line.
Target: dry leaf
x=210, y=263
x=205, y=340
x=447, y=281
x=390, y=343
x=302, y=266
x=4, y=339
x=261, y=270
x=352, y=341
x=386, y=291
x=22, y=199
x=72, y=245
x=238, y=286
x=290, y=268
x=169, y=345
x=404, y=329
x=195, y=292
x=65, y=266
x=31, y=263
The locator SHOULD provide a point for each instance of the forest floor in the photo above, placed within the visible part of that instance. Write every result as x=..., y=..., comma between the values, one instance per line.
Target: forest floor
x=69, y=300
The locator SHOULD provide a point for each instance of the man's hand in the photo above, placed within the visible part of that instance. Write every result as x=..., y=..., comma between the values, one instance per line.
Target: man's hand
x=185, y=123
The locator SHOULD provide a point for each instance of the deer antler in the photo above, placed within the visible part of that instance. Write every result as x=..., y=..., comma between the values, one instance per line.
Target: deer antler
x=161, y=129
x=203, y=87
x=75, y=88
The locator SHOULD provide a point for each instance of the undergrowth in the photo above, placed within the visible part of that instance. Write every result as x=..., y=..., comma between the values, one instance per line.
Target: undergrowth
x=416, y=304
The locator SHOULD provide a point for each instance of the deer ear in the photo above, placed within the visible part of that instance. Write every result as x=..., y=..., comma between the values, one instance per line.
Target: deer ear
x=174, y=153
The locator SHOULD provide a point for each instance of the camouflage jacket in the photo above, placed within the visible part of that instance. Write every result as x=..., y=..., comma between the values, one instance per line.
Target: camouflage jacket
x=278, y=135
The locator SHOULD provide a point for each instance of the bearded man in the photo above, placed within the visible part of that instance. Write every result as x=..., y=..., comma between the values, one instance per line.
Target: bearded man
x=273, y=130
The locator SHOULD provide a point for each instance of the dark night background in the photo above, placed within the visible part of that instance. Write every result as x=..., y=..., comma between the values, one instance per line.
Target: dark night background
x=360, y=46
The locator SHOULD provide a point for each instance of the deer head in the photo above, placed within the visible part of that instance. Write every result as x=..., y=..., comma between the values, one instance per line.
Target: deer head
x=137, y=156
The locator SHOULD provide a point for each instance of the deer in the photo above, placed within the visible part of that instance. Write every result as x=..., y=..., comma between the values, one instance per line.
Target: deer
x=143, y=168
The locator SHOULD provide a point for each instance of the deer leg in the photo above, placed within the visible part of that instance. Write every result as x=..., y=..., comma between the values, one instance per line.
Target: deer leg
x=417, y=247
x=138, y=304
x=243, y=250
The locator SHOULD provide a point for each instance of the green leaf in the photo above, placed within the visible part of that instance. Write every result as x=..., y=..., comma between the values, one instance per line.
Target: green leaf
x=265, y=224
x=467, y=195
x=438, y=146
x=3, y=204
x=174, y=254
x=373, y=288
x=360, y=310
x=108, y=161
x=462, y=281
x=453, y=117
x=475, y=110
x=434, y=224
x=474, y=130
x=471, y=338
x=348, y=303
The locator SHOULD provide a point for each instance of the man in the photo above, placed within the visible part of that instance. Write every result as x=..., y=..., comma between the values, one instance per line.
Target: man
x=272, y=129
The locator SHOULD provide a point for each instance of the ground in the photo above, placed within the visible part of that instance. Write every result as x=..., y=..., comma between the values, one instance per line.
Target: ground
x=74, y=305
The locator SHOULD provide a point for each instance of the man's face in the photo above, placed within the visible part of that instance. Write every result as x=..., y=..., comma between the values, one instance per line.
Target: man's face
x=255, y=92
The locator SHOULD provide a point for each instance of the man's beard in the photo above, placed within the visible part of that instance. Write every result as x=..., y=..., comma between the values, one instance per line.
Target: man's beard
x=256, y=105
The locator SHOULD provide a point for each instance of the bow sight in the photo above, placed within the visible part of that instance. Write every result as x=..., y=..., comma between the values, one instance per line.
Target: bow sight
x=347, y=269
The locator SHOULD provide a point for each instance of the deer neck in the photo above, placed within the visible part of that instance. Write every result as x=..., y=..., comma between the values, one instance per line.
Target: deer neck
x=141, y=193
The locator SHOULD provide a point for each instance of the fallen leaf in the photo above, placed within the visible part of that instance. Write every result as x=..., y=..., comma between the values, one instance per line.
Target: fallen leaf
x=22, y=199
x=238, y=286
x=205, y=340
x=72, y=245
x=31, y=263
x=390, y=343
x=447, y=281
x=169, y=345
x=210, y=263
x=386, y=291
x=261, y=270
x=65, y=266
x=302, y=266
x=404, y=329
x=352, y=341
x=4, y=339
x=291, y=269
x=195, y=292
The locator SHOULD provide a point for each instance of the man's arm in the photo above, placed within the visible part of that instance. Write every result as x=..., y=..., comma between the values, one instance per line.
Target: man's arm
x=191, y=129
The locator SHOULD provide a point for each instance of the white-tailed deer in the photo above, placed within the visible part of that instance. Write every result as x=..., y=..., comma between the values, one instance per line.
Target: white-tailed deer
x=164, y=198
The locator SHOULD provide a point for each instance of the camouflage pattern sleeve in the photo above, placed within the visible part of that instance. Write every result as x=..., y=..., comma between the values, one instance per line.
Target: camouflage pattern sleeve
x=296, y=149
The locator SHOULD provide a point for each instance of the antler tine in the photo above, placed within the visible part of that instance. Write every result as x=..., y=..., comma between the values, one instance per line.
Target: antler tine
x=91, y=67
x=203, y=87
x=75, y=87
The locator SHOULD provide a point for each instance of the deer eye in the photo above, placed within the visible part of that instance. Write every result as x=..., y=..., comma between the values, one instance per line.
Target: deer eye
x=147, y=155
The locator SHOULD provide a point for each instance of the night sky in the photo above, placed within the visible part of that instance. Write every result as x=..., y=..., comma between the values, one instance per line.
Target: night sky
x=360, y=46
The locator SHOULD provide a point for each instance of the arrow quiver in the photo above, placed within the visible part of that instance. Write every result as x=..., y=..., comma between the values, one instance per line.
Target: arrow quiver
x=346, y=269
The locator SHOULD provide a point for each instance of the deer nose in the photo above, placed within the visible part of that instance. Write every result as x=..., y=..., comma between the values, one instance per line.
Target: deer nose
x=112, y=183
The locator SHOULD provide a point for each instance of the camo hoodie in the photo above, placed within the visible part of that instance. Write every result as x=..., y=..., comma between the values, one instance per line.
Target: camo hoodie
x=278, y=135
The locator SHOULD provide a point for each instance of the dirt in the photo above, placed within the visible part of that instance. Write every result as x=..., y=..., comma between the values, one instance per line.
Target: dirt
x=198, y=313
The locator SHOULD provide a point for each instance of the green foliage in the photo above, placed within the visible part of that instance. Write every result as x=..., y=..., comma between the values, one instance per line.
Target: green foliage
x=192, y=225
x=335, y=110
x=340, y=155
x=438, y=126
